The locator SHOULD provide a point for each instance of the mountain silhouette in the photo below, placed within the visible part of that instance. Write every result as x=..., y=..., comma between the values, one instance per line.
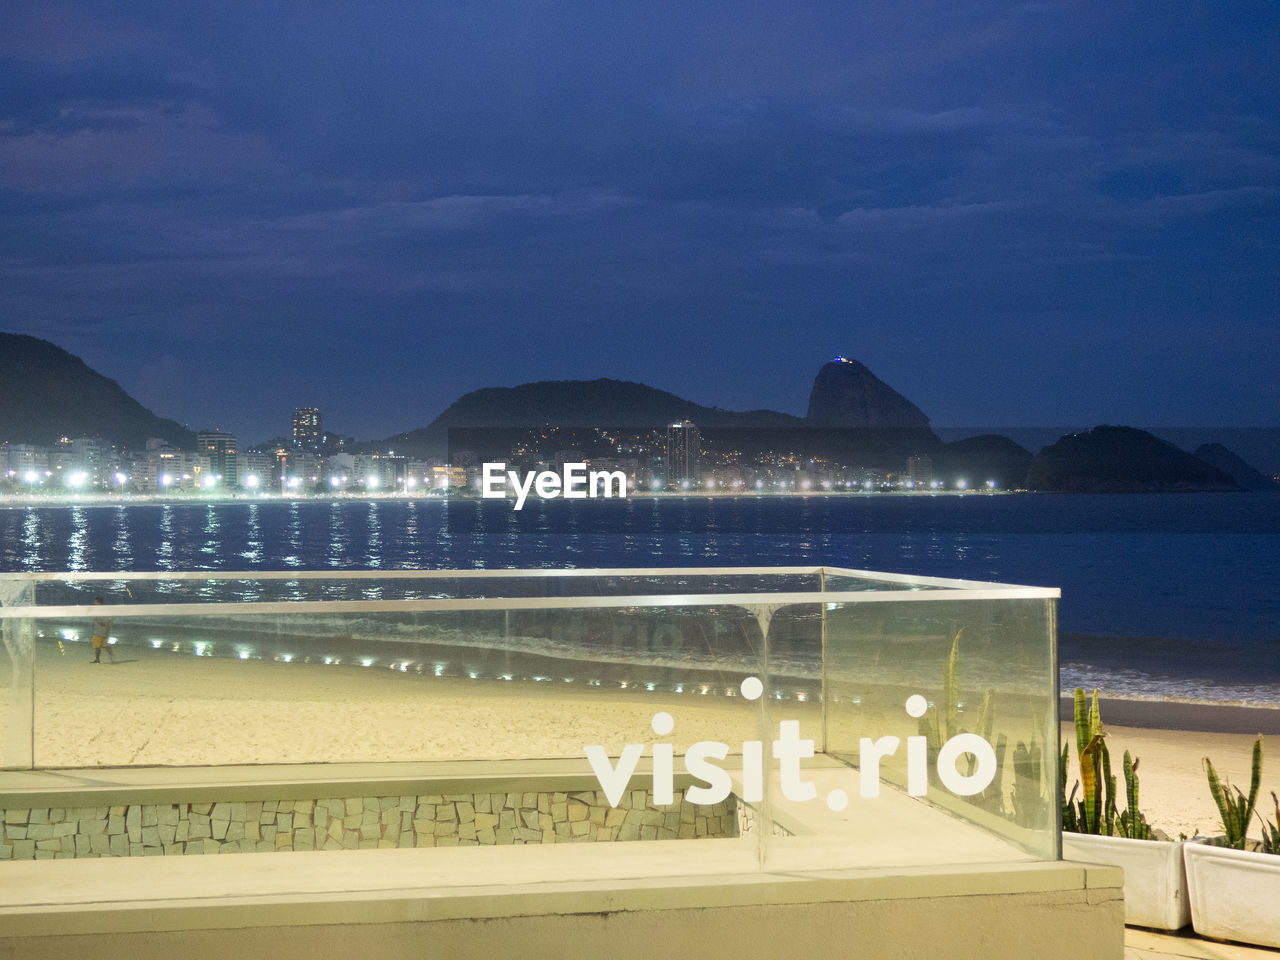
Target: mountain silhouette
x=46, y=393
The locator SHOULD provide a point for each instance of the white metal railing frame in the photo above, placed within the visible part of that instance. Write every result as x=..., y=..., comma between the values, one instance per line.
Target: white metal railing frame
x=933, y=589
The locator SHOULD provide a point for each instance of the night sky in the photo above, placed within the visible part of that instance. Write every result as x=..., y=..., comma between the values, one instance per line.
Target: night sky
x=1013, y=213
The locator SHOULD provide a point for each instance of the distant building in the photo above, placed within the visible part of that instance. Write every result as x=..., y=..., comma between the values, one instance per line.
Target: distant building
x=255, y=469
x=307, y=431
x=220, y=448
x=684, y=453
x=919, y=470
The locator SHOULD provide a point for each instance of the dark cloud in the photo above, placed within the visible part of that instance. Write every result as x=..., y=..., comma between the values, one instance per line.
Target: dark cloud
x=1013, y=212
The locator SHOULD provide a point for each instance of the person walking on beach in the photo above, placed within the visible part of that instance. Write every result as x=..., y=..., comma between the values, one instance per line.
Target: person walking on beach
x=102, y=637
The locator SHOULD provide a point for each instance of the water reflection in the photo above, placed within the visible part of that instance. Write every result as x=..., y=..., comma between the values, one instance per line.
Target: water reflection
x=337, y=549
x=31, y=539
x=374, y=555
x=253, y=549
x=411, y=551
x=212, y=546
x=164, y=550
x=122, y=546
x=294, y=557
x=78, y=542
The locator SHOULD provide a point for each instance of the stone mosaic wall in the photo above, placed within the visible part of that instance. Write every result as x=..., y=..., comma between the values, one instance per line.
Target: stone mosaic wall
x=351, y=823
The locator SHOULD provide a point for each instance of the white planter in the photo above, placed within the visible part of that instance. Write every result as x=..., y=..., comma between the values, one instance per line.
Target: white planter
x=1235, y=894
x=1155, y=880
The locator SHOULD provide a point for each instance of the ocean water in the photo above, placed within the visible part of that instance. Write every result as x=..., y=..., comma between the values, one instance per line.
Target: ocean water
x=1164, y=596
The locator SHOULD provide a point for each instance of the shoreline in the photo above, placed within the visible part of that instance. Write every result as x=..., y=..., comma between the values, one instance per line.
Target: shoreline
x=1189, y=716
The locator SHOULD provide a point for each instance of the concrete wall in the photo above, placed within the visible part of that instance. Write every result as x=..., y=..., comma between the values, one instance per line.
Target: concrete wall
x=1058, y=924
x=350, y=823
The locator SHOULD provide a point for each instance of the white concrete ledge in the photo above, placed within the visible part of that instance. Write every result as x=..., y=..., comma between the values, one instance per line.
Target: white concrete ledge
x=146, y=895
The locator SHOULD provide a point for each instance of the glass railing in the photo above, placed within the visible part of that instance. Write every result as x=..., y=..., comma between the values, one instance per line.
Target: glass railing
x=849, y=718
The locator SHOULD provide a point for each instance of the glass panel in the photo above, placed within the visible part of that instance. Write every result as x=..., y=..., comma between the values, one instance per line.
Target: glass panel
x=870, y=724
x=965, y=692
x=317, y=687
x=17, y=677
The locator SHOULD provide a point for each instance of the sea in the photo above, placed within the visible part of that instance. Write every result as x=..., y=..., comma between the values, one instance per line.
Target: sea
x=1168, y=596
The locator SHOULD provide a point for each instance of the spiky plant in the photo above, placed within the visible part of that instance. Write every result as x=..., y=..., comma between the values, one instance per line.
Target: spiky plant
x=1132, y=823
x=1236, y=810
x=1271, y=831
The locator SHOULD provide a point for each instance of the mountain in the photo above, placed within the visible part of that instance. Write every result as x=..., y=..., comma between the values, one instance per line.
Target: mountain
x=46, y=393
x=859, y=417
x=1216, y=455
x=847, y=394
x=1110, y=459
x=618, y=404
x=979, y=459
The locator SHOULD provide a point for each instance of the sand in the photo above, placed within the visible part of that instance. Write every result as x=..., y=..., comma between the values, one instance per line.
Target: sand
x=155, y=708
x=1170, y=740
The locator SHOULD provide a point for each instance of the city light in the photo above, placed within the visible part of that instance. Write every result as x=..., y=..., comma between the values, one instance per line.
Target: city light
x=251, y=482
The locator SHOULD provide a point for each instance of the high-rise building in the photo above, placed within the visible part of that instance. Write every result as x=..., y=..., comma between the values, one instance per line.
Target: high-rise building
x=920, y=470
x=684, y=453
x=220, y=448
x=307, y=432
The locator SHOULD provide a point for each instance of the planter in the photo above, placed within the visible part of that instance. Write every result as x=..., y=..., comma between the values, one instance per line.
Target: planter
x=1155, y=880
x=1235, y=894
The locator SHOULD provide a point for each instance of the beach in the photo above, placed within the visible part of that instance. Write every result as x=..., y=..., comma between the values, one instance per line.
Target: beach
x=1170, y=739
x=154, y=709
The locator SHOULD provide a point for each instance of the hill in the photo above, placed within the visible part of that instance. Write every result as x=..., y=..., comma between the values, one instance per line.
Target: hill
x=846, y=394
x=1216, y=455
x=617, y=404
x=979, y=459
x=1110, y=459
x=853, y=416
x=46, y=393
